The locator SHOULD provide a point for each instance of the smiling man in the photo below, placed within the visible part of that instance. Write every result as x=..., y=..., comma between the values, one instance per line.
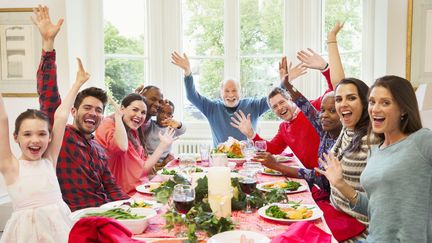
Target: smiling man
x=219, y=112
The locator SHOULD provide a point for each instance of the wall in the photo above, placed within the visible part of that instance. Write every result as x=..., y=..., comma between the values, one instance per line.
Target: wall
x=16, y=105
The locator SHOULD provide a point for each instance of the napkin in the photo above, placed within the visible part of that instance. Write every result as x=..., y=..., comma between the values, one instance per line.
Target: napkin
x=341, y=225
x=99, y=229
x=303, y=232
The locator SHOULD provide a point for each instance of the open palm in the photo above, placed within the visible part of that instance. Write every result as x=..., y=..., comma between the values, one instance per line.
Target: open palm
x=42, y=20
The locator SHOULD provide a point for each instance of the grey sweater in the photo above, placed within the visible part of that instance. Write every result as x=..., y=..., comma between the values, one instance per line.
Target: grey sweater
x=398, y=184
x=151, y=136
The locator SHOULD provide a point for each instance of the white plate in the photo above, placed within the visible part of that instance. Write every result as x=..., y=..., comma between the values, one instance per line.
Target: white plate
x=147, y=187
x=261, y=187
x=234, y=236
x=154, y=205
x=316, y=212
x=273, y=173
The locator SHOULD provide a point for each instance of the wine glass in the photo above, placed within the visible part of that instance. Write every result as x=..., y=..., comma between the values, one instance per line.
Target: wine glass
x=248, y=149
x=183, y=197
x=248, y=183
x=187, y=165
x=254, y=166
x=261, y=146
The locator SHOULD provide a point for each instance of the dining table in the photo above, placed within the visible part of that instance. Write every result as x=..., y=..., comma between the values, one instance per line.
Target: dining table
x=156, y=230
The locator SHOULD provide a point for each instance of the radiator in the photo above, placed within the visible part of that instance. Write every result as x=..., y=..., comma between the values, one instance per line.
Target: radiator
x=183, y=146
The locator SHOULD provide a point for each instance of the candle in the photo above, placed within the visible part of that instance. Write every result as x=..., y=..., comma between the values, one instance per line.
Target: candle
x=220, y=191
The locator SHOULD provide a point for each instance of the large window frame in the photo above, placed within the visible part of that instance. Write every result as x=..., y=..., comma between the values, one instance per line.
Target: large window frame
x=165, y=36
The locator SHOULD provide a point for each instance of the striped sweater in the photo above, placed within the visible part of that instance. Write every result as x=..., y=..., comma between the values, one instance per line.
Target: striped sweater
x=353, y=164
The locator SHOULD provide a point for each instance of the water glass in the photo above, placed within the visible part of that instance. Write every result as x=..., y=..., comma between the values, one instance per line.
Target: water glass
x=248, y=149
x=219, y=159
x=187, y=164
x=205, y=154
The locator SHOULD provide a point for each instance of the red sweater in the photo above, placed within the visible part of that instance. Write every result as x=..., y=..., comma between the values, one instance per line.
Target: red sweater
x=299, y=135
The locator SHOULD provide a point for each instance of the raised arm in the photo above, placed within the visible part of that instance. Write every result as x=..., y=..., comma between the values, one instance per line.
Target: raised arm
x=62, y=114
x=182, y=62
x=49, y=97
x=166, y=139
x=120, y=134
x=6, y=156
x=47, y=29
x=336, y=68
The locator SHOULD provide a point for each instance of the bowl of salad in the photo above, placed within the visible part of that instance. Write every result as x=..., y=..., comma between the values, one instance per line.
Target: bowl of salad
x=134, y=219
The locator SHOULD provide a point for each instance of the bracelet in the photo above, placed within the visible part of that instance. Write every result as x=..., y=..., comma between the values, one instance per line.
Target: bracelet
x=353, y=198
x=329, y=42
x=325, y=67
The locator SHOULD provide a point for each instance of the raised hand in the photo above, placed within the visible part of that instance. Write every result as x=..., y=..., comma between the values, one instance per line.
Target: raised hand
x=292, y=72
x=311, y=59
x=283, y=68
x=167, y=138
x=82, y=76
x=47, y=29
x=331, y=35
x=243, y=123
x=116, y=106
x=182, y=62
x=296, y=71
x=332, y=169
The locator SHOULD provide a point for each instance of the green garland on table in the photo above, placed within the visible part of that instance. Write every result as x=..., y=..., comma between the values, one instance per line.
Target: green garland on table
x=200, y=216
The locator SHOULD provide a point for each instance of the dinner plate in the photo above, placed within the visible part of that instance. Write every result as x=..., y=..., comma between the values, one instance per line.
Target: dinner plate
x=235, y=235
x=261, y=187
x=155, y=205
x=272, y=172
x=316, y=212
x=147, y=187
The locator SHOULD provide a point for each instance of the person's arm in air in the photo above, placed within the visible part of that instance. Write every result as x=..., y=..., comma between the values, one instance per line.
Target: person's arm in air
x=49, y=96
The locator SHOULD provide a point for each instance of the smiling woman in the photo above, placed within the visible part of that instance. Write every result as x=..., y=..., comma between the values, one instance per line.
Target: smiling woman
x=121, y=135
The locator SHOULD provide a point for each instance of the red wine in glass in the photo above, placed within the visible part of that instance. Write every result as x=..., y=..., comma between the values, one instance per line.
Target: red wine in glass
x=183, y=204
x=247, y=185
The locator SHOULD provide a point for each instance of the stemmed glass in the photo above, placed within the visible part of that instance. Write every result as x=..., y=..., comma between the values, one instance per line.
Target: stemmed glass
x=187, y=164
x=248, y=183
x=261, y=146
x=183, y=197
x=248, y=149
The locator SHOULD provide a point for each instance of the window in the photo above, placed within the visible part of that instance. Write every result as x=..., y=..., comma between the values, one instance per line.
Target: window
x=350, y=41
x=124, y=46
x=225, y=38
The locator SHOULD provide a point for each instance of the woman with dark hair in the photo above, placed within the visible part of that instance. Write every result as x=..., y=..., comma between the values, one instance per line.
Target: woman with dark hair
x=351, y=147
x=398, y=175
x=121, y=135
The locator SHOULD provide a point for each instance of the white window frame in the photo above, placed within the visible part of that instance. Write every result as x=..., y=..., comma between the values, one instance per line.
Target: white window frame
x=301, y=17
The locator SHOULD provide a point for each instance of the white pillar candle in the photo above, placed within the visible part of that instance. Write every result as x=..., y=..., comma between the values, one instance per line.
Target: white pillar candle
x=220, y=191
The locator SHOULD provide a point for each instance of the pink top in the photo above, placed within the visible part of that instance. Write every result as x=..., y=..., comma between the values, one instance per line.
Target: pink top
x=127, y=167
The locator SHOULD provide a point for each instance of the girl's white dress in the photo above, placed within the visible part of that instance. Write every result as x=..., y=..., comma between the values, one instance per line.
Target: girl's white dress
x=40, y=214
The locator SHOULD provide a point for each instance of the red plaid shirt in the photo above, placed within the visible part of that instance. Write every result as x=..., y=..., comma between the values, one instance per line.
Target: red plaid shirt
x=82, y=166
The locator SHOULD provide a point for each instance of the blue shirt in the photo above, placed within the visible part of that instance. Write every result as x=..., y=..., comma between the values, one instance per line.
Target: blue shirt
x=218, y=115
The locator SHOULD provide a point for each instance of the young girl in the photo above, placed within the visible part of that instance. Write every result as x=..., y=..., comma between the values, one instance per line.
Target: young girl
x=40, y=214
x=121, y=136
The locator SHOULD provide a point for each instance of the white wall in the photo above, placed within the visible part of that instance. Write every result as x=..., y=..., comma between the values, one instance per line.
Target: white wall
x=15, y=106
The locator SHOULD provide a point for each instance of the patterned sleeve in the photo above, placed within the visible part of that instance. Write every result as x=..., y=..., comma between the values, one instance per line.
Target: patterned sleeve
x=310, y=112
x=49, y=96
x=113, y=191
